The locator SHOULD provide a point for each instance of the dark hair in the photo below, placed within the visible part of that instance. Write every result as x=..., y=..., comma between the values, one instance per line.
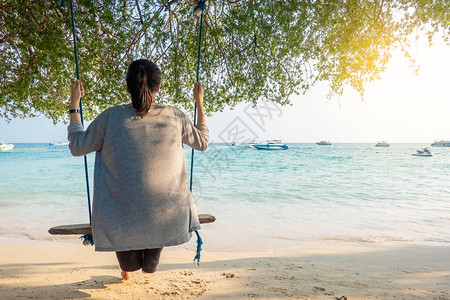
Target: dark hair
x=143, y=77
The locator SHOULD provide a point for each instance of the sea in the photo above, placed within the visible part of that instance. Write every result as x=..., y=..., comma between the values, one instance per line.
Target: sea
x=262, y=200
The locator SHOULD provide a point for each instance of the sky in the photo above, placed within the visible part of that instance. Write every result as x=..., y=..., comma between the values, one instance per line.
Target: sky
x=401, y=107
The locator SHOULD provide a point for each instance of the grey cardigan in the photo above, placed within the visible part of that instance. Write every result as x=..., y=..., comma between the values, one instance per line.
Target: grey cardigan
x=141, y=196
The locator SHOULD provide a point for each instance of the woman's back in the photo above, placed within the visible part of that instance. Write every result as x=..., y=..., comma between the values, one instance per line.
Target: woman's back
x=140, y=178
x=143, y=152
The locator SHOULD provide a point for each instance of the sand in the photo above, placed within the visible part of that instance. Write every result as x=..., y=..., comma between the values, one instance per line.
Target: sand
x=65, y=270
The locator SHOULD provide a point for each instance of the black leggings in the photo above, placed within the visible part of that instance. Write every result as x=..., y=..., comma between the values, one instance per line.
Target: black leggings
x=133, y=260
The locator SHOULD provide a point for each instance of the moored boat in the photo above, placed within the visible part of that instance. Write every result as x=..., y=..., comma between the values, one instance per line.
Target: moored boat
x=5, y=147
x=54, y=144
x=324, y=143
x=271, y=145
x=382, y=144
x=441, y=143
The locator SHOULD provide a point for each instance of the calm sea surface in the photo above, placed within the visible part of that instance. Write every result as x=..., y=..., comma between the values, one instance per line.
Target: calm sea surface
x=261, y=199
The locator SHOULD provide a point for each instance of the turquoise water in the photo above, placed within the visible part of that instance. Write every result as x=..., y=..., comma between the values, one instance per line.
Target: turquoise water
x=261, y=199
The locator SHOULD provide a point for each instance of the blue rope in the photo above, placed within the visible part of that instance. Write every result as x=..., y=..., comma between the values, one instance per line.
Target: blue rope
x=87, y=237
x=200, y=6
x=199, y=248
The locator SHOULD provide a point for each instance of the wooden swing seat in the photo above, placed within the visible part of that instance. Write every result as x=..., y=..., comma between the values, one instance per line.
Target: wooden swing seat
x=86, y=228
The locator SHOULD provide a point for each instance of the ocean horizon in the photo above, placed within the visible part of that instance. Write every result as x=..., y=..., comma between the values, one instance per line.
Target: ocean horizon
x=263, y=200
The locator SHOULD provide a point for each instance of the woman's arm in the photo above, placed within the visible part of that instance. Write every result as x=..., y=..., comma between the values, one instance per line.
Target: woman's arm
x=196, y=136
x=77, y=91
x=198, y=97
x=82, y=142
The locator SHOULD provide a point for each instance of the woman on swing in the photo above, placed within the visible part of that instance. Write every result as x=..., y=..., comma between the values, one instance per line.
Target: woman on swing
x=142, y=202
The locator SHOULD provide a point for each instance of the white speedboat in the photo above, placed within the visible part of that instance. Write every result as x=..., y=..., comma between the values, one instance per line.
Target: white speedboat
x=324, y=143
x=271, y=145
x=424, y=152
x=441, y=143
x=382, y=144
x=5, y=147
x=54, y=144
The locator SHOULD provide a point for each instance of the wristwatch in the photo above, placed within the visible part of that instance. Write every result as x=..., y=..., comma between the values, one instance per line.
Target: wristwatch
x=74, y=111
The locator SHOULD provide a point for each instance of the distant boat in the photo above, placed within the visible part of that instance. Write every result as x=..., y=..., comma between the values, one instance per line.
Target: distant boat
x=5, y=147
x=441, y=143
x=271, y=145
x=324, y=143
x=424, y=152
x=382, y=144
x=54, y=144
x=235, y=143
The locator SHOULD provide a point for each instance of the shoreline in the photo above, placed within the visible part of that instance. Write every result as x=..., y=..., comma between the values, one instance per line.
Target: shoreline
x=191, y=244
x=60, y=270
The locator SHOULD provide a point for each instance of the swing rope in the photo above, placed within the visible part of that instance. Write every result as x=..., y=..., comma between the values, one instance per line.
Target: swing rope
x=198, y=10
x=87, y=238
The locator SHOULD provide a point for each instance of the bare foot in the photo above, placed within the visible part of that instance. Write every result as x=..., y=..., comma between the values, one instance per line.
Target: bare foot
x=143, y=272
x=126, y=275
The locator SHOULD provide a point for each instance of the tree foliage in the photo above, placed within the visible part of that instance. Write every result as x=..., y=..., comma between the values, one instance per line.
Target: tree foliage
x=251, y=49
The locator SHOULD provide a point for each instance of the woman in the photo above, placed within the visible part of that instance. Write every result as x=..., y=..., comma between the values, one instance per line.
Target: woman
x=141, y=199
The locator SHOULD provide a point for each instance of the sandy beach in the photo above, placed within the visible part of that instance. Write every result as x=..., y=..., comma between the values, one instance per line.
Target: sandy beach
x=65, y=270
